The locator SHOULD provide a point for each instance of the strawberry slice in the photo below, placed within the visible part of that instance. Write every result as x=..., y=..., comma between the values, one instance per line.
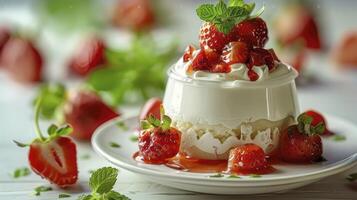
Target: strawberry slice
x=86, y=111
x=134, y=14
x=235, y=52
x=53, y=158
x=89, y=56
x=260, y=56
x=151, y=107
x=248, y=159
x=158, y=141
x=188, y=54
x=22, y=60
x=200, y=62
x=221, y=68
x=253, y=30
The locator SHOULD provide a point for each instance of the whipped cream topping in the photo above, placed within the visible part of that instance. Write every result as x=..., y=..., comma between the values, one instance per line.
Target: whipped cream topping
x=238, y=71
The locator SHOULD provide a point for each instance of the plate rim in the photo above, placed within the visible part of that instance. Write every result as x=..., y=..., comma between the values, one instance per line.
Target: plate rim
x=336, y=167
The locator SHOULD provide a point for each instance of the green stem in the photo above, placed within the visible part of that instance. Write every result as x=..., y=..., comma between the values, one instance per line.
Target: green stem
x=37, y=115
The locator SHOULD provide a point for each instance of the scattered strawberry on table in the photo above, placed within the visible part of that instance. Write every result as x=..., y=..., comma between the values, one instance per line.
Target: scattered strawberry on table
x=54, y=157
x=4, y=37
x=248, y=159
x=89, y=56
x=230, y=35
x=22, y=60
x=151, y=107
x=158, y=141
x=83, y=110
x=301, y=143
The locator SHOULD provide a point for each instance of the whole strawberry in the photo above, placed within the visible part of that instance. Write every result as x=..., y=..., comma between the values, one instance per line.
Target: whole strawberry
x=211, y=38
x=22, y=60
x=253, y=30
x=89, y=56
x=158, y=141
x=53, y=158
x=301, y=143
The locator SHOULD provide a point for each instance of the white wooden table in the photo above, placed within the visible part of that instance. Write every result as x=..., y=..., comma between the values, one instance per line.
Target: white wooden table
x=16, y=122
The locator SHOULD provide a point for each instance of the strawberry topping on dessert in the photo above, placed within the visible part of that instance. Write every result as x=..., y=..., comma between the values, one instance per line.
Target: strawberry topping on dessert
x=230, y=35
x=248, y=159
x=301, y=143
x=158, y=141
x=53, y=158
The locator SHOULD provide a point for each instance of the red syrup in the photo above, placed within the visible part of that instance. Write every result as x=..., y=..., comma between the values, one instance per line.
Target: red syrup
x=187, y=164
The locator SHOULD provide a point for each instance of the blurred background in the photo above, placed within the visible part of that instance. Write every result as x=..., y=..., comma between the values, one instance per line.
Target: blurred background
x=117, y=51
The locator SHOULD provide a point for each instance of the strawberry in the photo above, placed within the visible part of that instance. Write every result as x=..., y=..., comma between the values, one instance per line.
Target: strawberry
x=22, y=60
x=200, y=62
x=137, y=15
x=344, y=52
x=311, y=123
x=53, y=158
x=151, y=107
x=297, y=147
x=260, y=56
x=221, y=68
x=253, y=76
x=252, y=30
x=86, y=111
x=4, y=36
x=212, y=56
x=296, y=23
x=158, y=141
x=188, y=54
x=235, y=52
x=248, y=159
x=211, y=38
x=89, y=56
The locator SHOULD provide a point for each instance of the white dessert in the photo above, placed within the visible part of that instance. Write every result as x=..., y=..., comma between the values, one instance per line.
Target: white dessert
x=218, y=111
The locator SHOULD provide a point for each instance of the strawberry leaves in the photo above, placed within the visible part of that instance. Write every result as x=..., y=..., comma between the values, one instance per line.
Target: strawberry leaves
x=308, y=125
x=152, y=122
x=225, y=17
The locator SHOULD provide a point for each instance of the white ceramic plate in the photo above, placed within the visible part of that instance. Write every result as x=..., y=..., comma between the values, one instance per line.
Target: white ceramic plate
x=340, y=155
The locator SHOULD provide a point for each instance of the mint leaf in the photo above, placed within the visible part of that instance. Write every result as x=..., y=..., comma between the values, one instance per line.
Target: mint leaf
x=20, y=172
x=114, y=145
x=233, y=176
x=113, y=195
x=206, y=12
x=85, y=197
x=220, y=8
x=103, y=180
x=219, y=175
x=40, y=189
x=153, y=121
x=235, y=3
x=144, y=124
x=63, y=195
x=258, y=13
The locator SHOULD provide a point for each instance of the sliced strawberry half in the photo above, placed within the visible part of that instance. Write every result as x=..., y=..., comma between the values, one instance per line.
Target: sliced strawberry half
x=22, y=60
x=235, y=52
x=55, y=160
x=151, y=107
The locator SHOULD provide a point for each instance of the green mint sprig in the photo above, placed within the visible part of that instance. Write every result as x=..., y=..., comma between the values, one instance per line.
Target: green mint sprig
x=101, y=183
x=224, y=16
x=152, y=122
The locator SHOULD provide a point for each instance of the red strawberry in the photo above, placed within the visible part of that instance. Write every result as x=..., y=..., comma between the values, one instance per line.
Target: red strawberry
x=22, y=60
x=88, y=57
x=158, y=141
x=200, y=62
x=235, y=52
x=220, y=68
x=296, y=23
x=252, y=30
x=311, y=123
x=248, y=159
x=134, y=14
x=253, y=76
x=260, y=56
x=297, y=147
x=86, y=111
x=187, y=56
x=212, y=56
x=53, y=158
x=55, y=161
x=151, y=107
x=4, y=36
x=345, y=51
x=211, y=38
